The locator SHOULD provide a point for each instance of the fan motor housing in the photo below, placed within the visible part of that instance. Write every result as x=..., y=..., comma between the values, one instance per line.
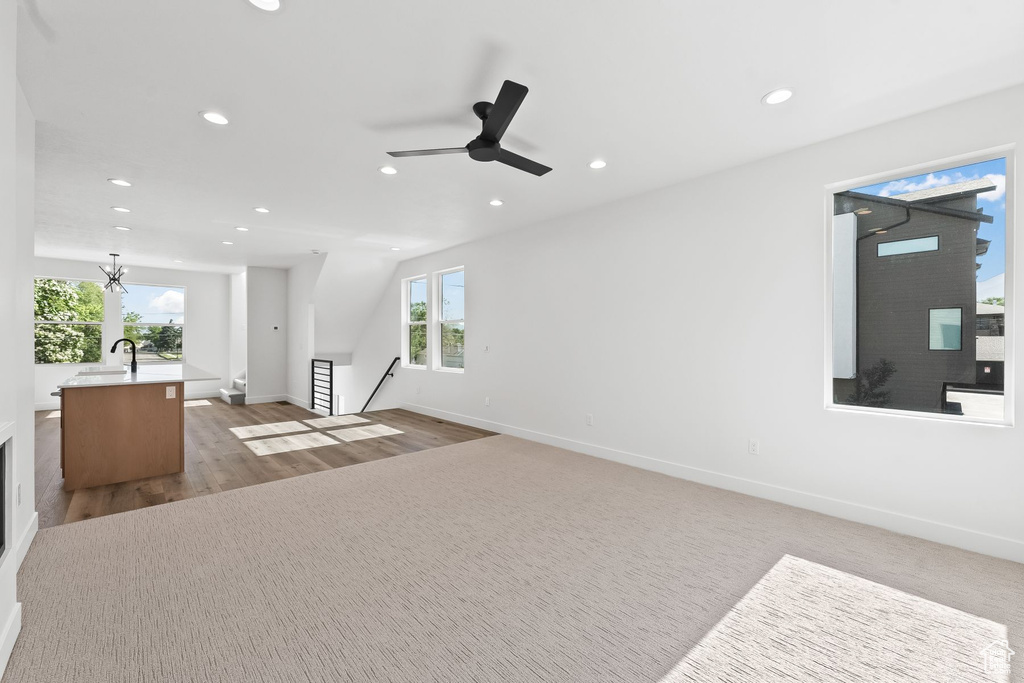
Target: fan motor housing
x=483, y=150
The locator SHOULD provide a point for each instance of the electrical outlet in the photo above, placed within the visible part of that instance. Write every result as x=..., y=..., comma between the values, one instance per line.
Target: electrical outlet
x=486, y=348
x=487, y=400
x=754, y=447
x=172, y=391
x=590, y=420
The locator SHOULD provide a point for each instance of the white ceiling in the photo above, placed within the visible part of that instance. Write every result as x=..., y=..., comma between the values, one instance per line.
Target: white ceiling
x=317, y=93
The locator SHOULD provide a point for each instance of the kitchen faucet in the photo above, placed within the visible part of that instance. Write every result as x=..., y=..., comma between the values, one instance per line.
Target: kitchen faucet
x=135, y=364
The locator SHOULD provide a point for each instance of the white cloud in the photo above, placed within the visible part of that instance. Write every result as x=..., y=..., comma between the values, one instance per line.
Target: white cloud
x=998, y=193
x=168, y=302
x=179, y=320
x=902, y=186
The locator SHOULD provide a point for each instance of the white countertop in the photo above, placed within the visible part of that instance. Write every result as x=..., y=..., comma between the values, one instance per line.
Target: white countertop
x=148, y=374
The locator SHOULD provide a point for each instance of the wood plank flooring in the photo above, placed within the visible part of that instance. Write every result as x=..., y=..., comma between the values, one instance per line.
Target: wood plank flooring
x=216, y=460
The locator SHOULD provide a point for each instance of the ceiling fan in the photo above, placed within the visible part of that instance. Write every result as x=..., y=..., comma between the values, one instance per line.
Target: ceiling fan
x=487, y=145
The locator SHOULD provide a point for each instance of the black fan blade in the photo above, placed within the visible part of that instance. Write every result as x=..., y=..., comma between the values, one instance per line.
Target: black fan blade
x=429, y=152
x=504, y=108
x=522, y=163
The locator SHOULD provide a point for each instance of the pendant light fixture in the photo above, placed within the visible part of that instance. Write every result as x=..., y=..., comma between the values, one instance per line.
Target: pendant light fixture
x=114, y=274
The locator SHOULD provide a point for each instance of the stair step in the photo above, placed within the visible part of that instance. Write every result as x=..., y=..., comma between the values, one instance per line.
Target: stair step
x=233, y=396
x=240, y=385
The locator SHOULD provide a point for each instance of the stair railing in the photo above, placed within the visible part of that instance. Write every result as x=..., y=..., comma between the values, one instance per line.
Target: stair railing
x=387, y=373
x=322, y=385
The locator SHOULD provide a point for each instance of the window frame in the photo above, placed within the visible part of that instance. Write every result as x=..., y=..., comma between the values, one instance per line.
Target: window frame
x=831, y=189
x=100, y=323
x=407, y=323
x=929, y=331
x=183, y=325
x=438, y=322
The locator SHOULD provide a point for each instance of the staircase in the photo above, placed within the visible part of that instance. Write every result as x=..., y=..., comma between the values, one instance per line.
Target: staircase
x=236, y=394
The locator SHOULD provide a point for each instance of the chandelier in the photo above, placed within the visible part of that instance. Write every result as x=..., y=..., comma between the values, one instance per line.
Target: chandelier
x=114, y=274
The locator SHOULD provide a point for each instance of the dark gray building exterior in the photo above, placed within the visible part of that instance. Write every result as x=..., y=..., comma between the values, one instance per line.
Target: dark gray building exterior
x=916, y=291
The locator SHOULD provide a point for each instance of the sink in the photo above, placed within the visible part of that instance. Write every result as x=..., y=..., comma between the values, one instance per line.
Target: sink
x=103, y=370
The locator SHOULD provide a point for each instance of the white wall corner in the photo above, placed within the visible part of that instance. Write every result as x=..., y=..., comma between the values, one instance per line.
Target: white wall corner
x=27, y=536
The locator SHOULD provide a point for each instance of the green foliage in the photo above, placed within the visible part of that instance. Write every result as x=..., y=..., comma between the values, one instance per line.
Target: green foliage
x=60, y=301
x=995, y=301
x=868, y=391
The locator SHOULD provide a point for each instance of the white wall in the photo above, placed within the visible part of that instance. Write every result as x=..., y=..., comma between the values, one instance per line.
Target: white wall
x=693, y=318
x=238, y=326
x=266, y=334
x=207, y=323
x=16, y=150
x=301, y=326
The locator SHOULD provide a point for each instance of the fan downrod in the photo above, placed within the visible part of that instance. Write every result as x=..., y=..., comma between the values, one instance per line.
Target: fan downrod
x=482, y=110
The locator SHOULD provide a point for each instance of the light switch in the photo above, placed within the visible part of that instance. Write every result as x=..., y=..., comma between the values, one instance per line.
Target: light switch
x=171, y=391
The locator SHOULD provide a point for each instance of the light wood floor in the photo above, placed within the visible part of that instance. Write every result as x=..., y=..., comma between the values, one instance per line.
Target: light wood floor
x=216, y=460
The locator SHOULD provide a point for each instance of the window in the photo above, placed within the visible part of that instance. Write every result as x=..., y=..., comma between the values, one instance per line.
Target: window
x=918, y=265
x=154, y=318
x=68, y=321
x=944, y=325
x=452, y=319
x=415, y=315
x=915, y=246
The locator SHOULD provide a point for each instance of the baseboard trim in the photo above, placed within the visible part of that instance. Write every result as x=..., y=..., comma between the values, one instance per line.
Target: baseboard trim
x=26, y=538
x=976, y=541
x=49, y=405
x=10, y=634
x=266, y=399
x=298, y=402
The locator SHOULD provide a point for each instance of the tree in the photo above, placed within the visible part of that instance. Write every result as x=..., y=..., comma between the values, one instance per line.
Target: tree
x=868, y=391
x=60, y=301
x=418, y=333
x=994, y=300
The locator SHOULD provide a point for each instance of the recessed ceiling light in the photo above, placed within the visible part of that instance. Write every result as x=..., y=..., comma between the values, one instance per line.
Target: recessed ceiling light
x=121, y=227
x=227, y=243
x=121, y=209
x=241, y=229
x=396, y=249
x=597, y=163
x=388, y=170
x=120, y=182
x=214, y=117
x=777, y=96
x=496, y=202
x=261, y=209
x=862, y=212
x=178, y=260
x=266, y=5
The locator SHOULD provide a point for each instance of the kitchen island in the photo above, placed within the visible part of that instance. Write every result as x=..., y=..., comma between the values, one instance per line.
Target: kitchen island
x=126, y=426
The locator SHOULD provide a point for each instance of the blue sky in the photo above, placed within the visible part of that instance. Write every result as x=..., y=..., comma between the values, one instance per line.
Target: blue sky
x=993, y=203
x=156, y=304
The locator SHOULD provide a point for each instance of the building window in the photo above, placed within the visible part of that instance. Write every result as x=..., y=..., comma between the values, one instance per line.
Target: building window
x=452, y=319
x=154, y=318
x=944, y=326
x=917, y=261
x=915, y=246
x=415, y=314
x=68, y=321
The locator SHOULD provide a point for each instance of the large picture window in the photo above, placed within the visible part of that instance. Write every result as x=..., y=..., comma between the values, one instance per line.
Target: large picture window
x=918, y=292
x=68, y=321
x=452, y=319
x=154, y=318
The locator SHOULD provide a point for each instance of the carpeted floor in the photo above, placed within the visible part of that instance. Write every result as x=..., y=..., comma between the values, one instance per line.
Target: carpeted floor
x=503, y=560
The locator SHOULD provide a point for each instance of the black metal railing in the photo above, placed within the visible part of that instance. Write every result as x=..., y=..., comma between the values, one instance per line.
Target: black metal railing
x=322, y=385
x=387, y=373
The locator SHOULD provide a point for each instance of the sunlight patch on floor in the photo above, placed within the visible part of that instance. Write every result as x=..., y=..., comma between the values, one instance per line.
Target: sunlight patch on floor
x=251, y=431
x=335, y=421
x=196, y=403
x=368, y=432
x=55, y=413
x=804, y=621
x=284, y=444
